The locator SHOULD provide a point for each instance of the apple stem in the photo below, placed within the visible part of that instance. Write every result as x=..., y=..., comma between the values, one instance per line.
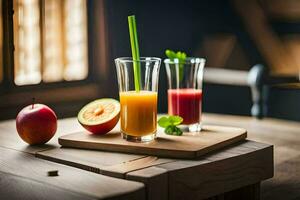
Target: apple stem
x=33, y=100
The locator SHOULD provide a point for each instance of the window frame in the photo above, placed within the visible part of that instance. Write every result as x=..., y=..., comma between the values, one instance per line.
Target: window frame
x=62, y=92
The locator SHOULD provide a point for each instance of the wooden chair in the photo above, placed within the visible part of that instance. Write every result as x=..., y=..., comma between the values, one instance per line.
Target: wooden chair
x=252, y=81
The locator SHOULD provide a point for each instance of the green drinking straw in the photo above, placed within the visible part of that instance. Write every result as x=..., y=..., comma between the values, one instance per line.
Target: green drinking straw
x=135, y=52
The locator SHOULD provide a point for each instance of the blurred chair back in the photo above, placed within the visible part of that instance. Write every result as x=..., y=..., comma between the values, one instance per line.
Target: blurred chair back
x=235, y=91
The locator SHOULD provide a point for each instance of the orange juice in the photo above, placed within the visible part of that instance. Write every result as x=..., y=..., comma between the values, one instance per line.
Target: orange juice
x=138, y=112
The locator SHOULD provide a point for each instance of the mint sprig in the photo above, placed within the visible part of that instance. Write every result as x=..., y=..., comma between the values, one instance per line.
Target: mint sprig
x=181, y=56
x=170, y=124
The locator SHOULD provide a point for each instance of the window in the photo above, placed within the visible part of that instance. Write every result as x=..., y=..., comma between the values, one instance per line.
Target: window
x=53, y=50
x=50, y=38
x=1, y=43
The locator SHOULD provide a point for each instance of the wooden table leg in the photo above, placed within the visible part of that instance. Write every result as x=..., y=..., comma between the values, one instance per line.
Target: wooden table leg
x=250, y=192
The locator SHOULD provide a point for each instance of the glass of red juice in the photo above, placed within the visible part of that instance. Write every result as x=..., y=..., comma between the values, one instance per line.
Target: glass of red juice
x=185, y=80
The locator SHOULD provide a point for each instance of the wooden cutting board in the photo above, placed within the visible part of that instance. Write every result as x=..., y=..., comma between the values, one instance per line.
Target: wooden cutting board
x=189, y=145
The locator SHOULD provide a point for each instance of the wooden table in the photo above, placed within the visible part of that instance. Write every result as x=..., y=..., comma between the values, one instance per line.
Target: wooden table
x=231, y=173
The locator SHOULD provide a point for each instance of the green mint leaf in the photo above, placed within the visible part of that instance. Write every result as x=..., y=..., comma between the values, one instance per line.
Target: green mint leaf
x=170, y=54
x=181, y=71
x=173, y=130
x=181, y=56
x=175, y=120
x=164, y=122
x=177, y=131
x=178, y=55
x=170, y=123
x=169, y=130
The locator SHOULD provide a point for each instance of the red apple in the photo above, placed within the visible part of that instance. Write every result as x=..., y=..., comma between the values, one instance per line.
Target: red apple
x=36, y=124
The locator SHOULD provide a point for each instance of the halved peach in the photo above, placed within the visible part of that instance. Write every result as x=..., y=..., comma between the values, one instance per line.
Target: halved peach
x=100, y=116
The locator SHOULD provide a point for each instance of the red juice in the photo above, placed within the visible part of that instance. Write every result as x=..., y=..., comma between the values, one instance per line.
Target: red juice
x=186, y=103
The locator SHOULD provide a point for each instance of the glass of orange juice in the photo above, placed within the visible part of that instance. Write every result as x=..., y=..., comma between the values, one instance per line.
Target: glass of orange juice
x=138, y=97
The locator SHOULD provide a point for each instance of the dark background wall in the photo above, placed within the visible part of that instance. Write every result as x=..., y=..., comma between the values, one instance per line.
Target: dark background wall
x=181, y=25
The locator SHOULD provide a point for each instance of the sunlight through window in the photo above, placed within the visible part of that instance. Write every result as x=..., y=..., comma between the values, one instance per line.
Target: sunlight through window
x=76, y=40
x=50, y=43
x=27, y=38
x=53, y=40
x=1, y=44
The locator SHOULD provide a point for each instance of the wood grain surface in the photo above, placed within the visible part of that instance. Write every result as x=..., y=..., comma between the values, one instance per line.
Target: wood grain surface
x=230, y=168
x=14, y=187
x=77, y=183
x=106, y=163
x=9, y=137
x=156, y=181
x=219, y=172
x=283, y=134
x=88, y=159
x=189, y=145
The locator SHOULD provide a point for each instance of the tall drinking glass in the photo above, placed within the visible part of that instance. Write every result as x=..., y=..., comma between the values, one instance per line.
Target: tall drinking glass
x=185, y=90
x=138, y=108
